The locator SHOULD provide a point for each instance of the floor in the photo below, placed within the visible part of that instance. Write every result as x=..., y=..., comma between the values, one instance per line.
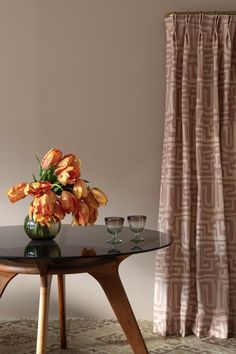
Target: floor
x=86, y=336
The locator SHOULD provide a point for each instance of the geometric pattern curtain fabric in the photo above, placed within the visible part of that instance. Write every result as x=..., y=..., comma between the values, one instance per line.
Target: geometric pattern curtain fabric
x=195, y=278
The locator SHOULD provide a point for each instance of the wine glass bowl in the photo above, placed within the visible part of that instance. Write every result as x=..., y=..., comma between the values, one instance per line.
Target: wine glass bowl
x=114, y=226
x=137, y=224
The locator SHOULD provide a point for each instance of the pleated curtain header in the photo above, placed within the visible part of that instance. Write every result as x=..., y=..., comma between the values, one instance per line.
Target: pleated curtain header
x=202, y=26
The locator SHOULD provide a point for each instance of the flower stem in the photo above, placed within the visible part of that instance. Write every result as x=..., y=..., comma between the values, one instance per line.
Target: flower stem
x=57, y=185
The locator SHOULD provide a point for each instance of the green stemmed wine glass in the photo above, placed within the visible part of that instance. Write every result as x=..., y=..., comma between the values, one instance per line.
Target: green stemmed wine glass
x=114, y=226
x=137, y=224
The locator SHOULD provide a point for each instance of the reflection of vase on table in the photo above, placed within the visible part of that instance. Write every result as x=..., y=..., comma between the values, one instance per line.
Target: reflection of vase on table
x=42, y=249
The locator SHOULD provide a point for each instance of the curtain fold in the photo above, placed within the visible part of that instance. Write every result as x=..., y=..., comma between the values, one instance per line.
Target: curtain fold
x=195, y=279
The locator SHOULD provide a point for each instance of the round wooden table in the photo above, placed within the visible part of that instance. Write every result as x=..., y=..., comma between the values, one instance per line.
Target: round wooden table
x=76, y=250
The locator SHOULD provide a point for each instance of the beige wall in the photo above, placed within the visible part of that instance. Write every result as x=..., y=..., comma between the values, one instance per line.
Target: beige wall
x=86, y=76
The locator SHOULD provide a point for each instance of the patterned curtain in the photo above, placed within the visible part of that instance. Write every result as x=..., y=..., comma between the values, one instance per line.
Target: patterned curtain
x=195, y=280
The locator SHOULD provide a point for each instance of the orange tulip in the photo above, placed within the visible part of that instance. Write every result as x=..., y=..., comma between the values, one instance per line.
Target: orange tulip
x=68, y=160
x=58, y=213
x=31, y=211
x=81, y=213
x=17, y=192
x=37, y=188
x=91, y=201
x=51, y=158
x=68, y=176
x=80, y=189
x=72, y=195
x=43, y=208
x=67, y=201
x=68, y=169
x=93, y=214
x=99, y=195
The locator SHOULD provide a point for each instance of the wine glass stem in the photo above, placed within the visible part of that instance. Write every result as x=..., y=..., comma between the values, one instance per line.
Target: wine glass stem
x=114, y=236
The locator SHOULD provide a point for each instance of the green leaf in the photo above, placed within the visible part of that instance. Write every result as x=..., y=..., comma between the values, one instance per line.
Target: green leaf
x=50, y=173
x=55, y=190
x=42, y=176
x=35, y=180
x=46, y=175
x=58, y=186
x=40, y=167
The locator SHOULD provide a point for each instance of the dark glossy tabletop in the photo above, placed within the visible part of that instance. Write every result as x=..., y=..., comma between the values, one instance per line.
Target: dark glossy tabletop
x=76, y=242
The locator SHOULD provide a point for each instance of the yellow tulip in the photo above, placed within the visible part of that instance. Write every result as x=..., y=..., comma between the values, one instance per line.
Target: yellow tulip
x=99, y=195
x=16, y=192
x=51, y=158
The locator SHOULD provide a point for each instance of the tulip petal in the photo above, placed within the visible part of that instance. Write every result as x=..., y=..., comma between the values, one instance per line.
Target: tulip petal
x=51, y=158
x=16, y=192
x=99, y=195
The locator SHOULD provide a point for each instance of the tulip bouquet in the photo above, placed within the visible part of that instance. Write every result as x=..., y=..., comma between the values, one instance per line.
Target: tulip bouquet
x=58, y=191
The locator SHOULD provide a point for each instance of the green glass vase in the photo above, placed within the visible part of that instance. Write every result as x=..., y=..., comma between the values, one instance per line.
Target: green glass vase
x=36, y=231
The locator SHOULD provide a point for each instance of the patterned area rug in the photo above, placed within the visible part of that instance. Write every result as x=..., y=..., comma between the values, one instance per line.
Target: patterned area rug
x=86, y=336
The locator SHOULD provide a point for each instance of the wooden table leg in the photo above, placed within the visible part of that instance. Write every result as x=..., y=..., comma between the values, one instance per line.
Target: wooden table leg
x=5, y=278
x=43, y=313
x=62, y=309
x=114, y=290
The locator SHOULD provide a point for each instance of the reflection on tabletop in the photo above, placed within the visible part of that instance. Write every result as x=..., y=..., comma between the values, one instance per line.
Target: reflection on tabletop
x=114, y=249
x=75, y=243
x=86, y=252
x=47, y=249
